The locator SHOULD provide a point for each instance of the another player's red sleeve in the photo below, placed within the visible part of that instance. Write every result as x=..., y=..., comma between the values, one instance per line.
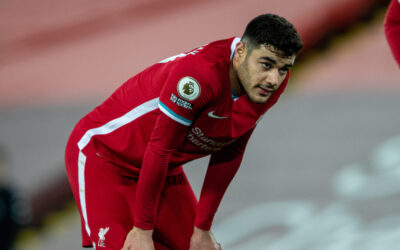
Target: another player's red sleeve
x=392, y=28
x=221, y=170
x=167, y=136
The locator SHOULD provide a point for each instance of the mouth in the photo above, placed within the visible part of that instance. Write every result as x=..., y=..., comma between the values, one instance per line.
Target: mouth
x=265, y=91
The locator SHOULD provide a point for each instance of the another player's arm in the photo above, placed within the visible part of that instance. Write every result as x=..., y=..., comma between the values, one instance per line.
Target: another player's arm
x=392, y=28
x=221, y=170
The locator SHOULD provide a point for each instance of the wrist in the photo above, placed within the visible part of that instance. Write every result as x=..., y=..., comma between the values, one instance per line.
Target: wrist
x=145, y=232
x=199, y=230
x=203, y=239
x=201, y=234
x=203, y=226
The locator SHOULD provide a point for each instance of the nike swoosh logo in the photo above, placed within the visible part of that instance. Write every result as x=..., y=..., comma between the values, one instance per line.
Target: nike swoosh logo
x=211, y=114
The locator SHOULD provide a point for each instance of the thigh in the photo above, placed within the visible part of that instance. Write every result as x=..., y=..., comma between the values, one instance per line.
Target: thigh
x=71, y=164
x=177, y=210
x=109, y=198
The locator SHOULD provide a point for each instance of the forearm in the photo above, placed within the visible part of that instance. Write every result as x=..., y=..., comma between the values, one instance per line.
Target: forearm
x=150, y=184
x=217, y=180
x=222, y=168
x=166, y=137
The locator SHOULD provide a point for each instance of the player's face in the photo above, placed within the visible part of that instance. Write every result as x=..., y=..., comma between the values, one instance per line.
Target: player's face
x=260, y=71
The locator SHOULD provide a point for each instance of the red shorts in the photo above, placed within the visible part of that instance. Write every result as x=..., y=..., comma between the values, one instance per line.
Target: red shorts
x=106, y=202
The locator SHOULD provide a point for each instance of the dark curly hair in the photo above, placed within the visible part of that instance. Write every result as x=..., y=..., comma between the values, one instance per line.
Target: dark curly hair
x=271, y=29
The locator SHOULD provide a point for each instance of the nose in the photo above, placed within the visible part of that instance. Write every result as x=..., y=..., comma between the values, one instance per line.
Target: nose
x=273, y=77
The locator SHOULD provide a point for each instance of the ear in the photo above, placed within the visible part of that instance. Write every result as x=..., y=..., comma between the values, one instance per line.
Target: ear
x=240, y=49
x=240, y=52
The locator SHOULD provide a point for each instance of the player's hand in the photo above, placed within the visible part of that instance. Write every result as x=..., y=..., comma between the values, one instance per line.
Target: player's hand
x=203, y=240
x=139, y=239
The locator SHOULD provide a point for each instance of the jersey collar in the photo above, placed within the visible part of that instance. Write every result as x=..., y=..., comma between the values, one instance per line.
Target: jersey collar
x=233, y=45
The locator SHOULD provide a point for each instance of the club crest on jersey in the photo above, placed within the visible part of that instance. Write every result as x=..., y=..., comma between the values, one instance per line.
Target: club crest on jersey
x=188, y=88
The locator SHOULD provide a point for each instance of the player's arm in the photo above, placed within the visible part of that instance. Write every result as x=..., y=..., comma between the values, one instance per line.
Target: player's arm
x=182, y=98
x=221, y=170
x=392, y=28
x=167, y=136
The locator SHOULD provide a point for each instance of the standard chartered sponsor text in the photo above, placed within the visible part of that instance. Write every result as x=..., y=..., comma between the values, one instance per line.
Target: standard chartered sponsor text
x=197, y=137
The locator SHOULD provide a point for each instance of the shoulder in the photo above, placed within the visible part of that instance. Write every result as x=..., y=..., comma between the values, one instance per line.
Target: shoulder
x=189, y=75
x=206, y=67
x=212, y=63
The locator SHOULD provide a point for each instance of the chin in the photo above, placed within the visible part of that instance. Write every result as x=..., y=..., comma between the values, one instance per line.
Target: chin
x=258, y=99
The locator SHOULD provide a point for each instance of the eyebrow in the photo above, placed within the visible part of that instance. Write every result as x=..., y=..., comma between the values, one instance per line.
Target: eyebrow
x=274, y=62
x=269, y=59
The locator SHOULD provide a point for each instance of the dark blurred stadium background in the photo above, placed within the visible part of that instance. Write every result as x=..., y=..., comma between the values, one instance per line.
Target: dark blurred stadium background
x=327, y=158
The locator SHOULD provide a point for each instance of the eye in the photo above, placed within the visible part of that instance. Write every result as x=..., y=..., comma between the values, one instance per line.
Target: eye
x=266, y=65
x=283, y=71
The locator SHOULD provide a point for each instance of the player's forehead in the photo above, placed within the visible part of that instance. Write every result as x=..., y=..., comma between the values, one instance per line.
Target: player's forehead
x=269, y=51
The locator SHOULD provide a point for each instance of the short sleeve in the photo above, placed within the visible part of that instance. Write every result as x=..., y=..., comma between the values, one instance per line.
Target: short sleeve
x=184, y=94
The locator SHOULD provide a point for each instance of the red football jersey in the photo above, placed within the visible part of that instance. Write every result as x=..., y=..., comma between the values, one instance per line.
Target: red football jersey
x=185, y=101
x=119, y=129
x=392, y=28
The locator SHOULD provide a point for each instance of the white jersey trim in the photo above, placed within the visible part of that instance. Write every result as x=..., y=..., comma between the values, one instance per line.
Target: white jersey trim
x=105, y=129
x=171, y=114
x=234, y=43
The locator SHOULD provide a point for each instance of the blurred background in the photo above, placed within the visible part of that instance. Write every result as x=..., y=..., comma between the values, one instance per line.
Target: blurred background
x=322, y=170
